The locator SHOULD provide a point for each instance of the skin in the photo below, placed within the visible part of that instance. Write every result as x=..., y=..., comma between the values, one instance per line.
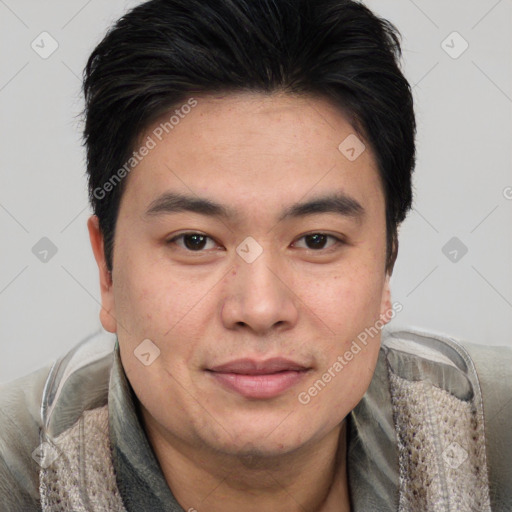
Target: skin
x=257, y=154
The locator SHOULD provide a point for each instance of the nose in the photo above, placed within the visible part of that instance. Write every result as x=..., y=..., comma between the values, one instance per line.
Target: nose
x=260, y=296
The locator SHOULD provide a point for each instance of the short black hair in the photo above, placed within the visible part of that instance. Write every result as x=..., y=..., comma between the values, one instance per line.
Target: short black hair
x=163, y=52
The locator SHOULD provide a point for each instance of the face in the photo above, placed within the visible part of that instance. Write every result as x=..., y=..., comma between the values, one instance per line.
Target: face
x=252, y=289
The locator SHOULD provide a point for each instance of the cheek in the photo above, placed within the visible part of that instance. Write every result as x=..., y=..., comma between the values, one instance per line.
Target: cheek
x=162, y=310
x=340, y=384
x=346, y=301
x=348, y=305
x=149, y=303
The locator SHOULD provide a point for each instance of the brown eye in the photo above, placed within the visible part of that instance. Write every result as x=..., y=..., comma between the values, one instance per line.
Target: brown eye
x=318, y=241
x=194, y=242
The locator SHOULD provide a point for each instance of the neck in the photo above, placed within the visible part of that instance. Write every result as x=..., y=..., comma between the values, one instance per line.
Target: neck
x=313, y=478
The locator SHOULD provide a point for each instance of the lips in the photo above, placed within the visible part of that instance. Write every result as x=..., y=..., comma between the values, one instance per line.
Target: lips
x=259, y=379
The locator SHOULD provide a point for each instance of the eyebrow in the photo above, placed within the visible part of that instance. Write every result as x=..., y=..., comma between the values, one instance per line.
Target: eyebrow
x=339, y=203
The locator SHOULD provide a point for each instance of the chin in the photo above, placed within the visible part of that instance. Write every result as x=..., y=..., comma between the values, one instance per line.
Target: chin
x=267, y=439
x=250, y=450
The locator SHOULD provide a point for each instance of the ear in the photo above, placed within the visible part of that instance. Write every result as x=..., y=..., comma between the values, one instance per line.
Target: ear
x=107, y=313
x=385, y=304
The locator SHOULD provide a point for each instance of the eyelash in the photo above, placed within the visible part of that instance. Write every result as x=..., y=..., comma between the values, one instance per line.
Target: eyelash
x=338, y=241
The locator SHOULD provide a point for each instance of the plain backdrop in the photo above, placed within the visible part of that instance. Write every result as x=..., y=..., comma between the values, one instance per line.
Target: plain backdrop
x=454, y=271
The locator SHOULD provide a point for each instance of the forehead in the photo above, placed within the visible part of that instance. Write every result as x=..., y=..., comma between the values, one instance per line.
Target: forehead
x=248, y=147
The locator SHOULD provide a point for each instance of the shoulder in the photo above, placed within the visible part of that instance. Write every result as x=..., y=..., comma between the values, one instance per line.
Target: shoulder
x=486, y=368
x=43, y=405
x=466, y=378
x=493, y=366
x=20, y=424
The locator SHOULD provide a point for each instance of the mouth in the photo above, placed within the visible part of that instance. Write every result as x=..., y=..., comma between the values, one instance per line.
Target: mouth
x=259, y=379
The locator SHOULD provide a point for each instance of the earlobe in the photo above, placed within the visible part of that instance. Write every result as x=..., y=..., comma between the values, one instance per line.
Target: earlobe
x=107, y=313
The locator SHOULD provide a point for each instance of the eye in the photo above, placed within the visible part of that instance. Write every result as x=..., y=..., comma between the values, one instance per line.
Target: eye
x=317, y=241
x=194, y=242
x=198, y=242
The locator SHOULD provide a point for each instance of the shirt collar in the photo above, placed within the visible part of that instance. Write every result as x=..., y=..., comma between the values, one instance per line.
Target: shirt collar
x=139, y=478
x=372, y=459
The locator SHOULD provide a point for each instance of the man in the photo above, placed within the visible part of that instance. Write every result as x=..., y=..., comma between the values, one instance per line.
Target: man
x=249, y=164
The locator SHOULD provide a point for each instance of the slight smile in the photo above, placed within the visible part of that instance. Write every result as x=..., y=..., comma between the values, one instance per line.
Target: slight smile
x=259, y=379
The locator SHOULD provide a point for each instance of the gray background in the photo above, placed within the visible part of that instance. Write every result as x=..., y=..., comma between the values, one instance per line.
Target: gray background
x=463, y=179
